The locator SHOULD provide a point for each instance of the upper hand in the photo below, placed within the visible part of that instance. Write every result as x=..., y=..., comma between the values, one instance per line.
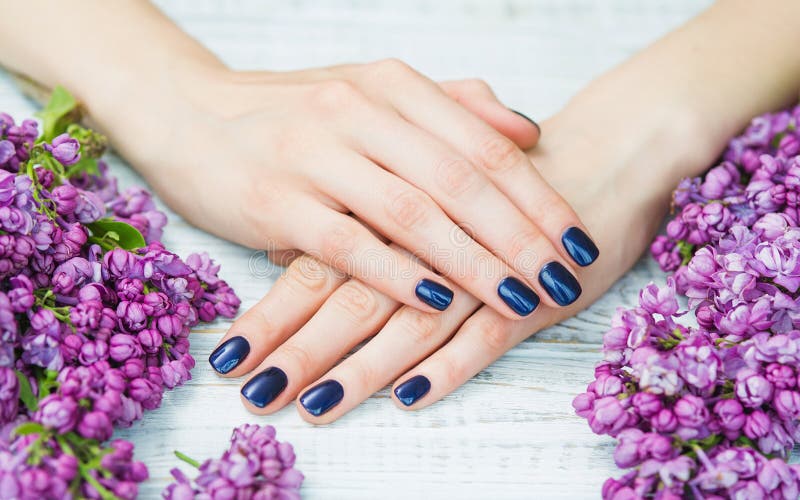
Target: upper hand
x=279, y=160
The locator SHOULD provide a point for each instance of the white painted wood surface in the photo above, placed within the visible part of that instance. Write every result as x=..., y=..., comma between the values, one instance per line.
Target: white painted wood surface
x=510, y=432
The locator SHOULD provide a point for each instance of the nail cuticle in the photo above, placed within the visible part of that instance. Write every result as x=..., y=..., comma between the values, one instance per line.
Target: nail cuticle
x=229, y=355
x=263, y=388
x=559, y=283
x=518, y=296
x=434, y=294
x=322, y=397
x=412, y=390
x=579, y=246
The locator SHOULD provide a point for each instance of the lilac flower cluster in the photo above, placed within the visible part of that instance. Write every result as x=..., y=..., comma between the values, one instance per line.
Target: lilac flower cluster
x=94, y=312
x=710, y=407
x=255, y=466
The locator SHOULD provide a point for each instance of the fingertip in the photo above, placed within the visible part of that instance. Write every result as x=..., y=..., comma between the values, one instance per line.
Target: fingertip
x=260, y=391
x=530, y=134
x=226, y=359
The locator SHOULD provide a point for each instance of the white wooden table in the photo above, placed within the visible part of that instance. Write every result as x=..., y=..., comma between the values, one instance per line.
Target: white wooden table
x=510, y=432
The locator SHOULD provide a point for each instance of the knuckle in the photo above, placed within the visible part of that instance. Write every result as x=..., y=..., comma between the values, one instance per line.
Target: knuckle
x=522, y=249
x=308, y=273
x=335, y=95
x=408, y=207
x=422, y=327
x=477, y=85
x=499, y=154
x=393, y=66
x=455, y=176
x=338, y=239
x=452, y=371
x=363, y=371
x=357, y=300
x=298, y=356
x=495, y=332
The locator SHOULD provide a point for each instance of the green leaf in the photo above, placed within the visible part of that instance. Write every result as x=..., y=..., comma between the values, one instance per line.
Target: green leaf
x=26, y=392
x=686, y=251
x=61, y=110
x=120, y=233
x=85, y=164
x=29, y=428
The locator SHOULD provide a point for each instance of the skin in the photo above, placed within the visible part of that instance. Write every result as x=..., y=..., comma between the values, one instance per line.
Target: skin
x=304, y=149
x=615, y=165
x=614, y=153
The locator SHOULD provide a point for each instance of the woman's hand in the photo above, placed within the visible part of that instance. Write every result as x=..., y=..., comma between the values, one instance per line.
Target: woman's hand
x=292, y=340
x=280, y=160
x=289, y=161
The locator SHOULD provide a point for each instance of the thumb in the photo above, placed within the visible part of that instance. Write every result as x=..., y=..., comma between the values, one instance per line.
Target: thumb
x=478, y=97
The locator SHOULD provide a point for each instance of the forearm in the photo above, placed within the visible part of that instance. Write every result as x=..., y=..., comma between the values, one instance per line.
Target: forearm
x=620, y=147
x=668, y=112
x=123, y=59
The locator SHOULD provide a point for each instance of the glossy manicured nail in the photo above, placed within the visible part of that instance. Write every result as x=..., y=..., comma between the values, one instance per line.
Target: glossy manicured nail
x=526, y=117
x=560, y=284
x=521, y=299
x=322, y=397
x=228, y=356
x=412, y=389
x=262, y=389
x=435, y=295
x=579, y=246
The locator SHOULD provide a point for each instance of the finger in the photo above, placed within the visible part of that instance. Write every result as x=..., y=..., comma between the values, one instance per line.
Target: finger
x=407, y=337
x=471, y=200
x=483, y=338
x=478, y=97
x=291, y=301
x=346, y=245
x=283, y=258
x=498, y=157
x=351, y=313
x=410, y=218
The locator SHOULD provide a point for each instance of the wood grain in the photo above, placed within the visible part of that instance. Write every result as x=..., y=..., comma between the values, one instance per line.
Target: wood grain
x=508, y=433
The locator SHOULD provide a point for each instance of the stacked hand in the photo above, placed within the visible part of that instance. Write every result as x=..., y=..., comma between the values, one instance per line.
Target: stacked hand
x=338, y=161
x=291, y=341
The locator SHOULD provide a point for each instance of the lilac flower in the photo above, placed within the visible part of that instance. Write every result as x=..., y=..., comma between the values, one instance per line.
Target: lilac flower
x=65, y=149
x=58, y=413
x=100, y=332
x=752, y=389
x=255, y=465
x=9, y=395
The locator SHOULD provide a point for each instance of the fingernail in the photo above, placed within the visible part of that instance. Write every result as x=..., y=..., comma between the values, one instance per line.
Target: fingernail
x=560, y=284
x=435, y=295
x=412, y=389
x=322, y=397
x=579, y=246
x=228, y=356
x=262, y=389
x=527, y=118
x=521, y=299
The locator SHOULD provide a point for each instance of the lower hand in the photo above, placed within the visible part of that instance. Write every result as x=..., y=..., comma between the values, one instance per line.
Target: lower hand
x=313, y=316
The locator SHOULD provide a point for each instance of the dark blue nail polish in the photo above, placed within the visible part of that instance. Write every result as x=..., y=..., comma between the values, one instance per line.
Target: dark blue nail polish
x=526, y=117
x=322, y=397
x=262, y=389
x=435, y=295
x=228, y=356
x=579, y=246
x=521, y=299
x=412, y=389
x=560, y=284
